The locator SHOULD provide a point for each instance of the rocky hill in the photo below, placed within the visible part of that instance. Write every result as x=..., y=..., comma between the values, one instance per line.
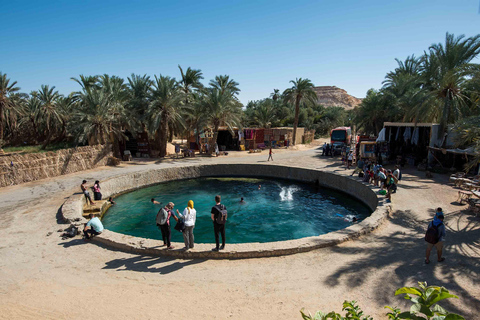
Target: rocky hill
x=331, y=96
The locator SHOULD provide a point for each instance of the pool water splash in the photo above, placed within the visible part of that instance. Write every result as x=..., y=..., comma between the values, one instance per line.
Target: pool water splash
x=286, y=193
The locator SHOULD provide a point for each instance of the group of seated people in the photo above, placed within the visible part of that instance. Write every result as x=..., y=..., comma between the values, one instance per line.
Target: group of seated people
x=376, y=174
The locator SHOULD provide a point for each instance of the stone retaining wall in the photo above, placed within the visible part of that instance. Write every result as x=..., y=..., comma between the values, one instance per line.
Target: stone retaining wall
x=72, y=210
x=20, y=168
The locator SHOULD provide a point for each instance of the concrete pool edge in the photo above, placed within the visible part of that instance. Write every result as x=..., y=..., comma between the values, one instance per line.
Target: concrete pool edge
x=72, y=210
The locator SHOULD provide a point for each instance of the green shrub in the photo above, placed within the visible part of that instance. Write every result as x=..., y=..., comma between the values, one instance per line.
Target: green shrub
x=425, y=306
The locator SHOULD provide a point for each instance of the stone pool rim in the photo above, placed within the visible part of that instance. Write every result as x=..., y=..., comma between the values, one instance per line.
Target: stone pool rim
x=72, y=210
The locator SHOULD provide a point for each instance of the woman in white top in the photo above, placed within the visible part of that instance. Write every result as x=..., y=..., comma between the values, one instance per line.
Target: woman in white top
x=189, y=216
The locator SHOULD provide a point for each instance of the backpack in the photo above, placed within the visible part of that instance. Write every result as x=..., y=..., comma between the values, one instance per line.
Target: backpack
x=431, y=236
x=162, y=216
x=221, y=217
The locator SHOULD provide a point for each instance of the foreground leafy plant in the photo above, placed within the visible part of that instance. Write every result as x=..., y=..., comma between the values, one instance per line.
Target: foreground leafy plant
x=353, y=311
x=425, y=306
x=425, y=302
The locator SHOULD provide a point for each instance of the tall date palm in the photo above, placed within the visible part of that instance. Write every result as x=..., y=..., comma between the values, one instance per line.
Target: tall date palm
x=301, y=91
x=166, y=110
x=10, y=105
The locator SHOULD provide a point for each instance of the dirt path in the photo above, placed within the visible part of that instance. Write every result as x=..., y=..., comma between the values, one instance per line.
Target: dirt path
x=44, y=277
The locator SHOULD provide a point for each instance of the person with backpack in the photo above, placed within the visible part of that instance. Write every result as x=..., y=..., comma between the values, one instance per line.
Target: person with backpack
x=189, y=215
x=163, y=222
x=435, y=236
x=219, y=218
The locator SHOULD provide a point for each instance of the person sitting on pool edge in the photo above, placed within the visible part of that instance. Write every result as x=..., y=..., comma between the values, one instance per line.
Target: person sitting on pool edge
x=93, y=227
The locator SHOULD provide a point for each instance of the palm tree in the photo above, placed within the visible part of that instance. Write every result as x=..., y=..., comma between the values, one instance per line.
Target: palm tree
x=446, y=69
x=195, y=118
x=93, y=120
x=372, y=111
x=225, y=84
x=468, y=135
x=190, y=82
x=9, y=102
x=50, y=115
x=139, y=88
x=221, y=108
x=165, y=110
x=264, y=114
x=302, y=90
x=31, y=111
x=275, y=95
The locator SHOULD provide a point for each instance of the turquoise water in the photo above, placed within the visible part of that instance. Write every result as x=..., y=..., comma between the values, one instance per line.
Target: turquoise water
x=279, y=210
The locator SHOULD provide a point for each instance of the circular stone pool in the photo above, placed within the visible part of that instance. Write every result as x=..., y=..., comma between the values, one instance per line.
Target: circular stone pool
x=278, y=210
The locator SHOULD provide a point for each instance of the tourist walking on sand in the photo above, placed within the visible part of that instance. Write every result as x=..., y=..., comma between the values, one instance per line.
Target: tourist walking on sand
x=97, y=195
x=93, y=227
x=435, y=236
x=270, y=153
x=163, y=222
x=84, y=188
x=359, y=168
x=219, y=218
x=189, y=217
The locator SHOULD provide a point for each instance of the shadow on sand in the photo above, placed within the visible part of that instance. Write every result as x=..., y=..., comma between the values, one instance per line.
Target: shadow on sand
x=398, y=259
x=160, y=265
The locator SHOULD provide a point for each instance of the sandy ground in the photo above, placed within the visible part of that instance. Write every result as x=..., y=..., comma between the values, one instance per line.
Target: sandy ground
x=44, y=277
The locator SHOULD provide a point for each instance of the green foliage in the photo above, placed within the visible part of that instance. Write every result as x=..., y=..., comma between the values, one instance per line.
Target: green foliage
x=352, y=311
x=442, y=86
x=425, y=306
x=425, y=301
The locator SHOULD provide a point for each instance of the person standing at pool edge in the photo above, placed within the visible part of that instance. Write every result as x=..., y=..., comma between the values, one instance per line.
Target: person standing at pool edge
x=189, y=215
x=219, y=228
x=163, y=222
x=97, y=195
x=84, y=188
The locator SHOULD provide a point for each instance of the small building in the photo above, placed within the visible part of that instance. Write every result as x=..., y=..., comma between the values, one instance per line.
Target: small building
x=409, y=142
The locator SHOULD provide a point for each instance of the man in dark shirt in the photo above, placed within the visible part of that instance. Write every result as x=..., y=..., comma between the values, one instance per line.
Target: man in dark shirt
x=217, y=227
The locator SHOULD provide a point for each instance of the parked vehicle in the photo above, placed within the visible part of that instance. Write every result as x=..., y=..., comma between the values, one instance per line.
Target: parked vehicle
x=341, y=134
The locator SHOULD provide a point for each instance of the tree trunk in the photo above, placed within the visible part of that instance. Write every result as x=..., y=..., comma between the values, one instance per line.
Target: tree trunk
x=163, y=139
x=2, y=119
x=197, y=139
x=47, y=141
x=214, y=139
x=295, y=122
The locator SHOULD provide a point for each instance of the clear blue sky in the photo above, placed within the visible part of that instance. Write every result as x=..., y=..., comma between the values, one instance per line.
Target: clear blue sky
x=261, y=44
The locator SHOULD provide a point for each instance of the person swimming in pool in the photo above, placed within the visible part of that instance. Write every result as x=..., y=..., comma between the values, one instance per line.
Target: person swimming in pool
x=155, y=201
x=242, y=201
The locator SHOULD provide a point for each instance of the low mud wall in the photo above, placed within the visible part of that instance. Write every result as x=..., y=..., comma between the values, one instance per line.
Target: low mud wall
x=20, y=168
x=72, y=210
